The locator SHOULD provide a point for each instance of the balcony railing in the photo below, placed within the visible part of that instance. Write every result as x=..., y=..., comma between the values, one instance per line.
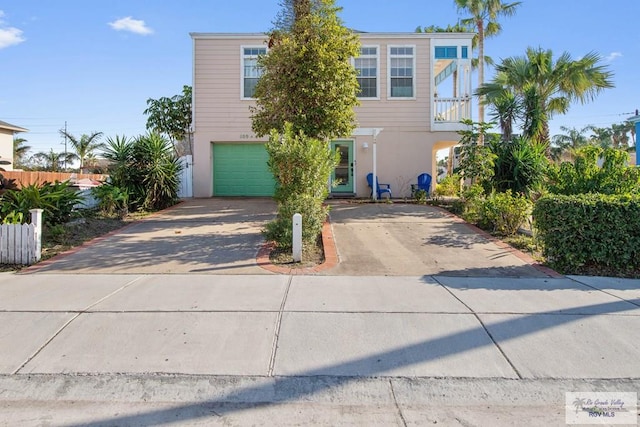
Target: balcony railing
x=451, y=110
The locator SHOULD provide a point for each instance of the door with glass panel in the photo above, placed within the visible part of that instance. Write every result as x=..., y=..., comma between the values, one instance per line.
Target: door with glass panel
x=342, y=176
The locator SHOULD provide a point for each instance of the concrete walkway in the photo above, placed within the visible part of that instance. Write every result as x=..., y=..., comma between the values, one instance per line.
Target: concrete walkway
x=210, y=349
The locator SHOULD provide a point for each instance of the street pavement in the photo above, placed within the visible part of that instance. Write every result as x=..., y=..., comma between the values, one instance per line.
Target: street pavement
x=207, y=348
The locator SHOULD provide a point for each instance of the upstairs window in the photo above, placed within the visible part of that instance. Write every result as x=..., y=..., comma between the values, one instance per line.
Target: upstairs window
x=251, y=72
x=401, y=72
x=366, y=66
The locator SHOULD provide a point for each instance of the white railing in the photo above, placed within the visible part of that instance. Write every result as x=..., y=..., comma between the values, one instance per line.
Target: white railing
x=22, y=243
x=451, y=110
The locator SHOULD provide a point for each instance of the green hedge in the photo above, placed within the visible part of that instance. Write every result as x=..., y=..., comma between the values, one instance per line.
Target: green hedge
x=586, y=232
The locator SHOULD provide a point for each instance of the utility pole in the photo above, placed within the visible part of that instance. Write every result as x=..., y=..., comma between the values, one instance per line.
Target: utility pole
x=65, y=145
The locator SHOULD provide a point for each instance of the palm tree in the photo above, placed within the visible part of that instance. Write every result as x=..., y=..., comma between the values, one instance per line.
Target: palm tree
x=545, y=88
x=53, y=161
x=85, y=146
x=602, y=137
x=566, y=144
x=484, y=15
x=19, y=150
x=619, y=136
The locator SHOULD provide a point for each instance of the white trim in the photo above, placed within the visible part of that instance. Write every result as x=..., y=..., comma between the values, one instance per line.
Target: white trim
x=377, y=57
x=242, y=77
x=413, y=71
x=193, y=95
x=264, y=37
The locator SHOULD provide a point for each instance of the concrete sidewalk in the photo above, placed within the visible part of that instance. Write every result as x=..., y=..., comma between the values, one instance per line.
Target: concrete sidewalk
x=253, y=346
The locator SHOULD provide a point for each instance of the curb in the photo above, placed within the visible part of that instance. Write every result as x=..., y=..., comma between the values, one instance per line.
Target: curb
x=502, y=245
x=330, y=256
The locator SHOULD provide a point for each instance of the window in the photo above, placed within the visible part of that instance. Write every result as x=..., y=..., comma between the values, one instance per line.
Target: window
x=401, y=72
x=366, y=66
x=250, y=71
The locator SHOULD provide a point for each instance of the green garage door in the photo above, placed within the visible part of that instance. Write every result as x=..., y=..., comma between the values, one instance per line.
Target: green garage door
x=241, y=170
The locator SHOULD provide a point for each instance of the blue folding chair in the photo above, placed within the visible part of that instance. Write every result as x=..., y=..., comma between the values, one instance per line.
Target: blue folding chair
x=380, y=188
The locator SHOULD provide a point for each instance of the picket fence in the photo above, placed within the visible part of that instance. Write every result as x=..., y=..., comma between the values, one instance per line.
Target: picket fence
x=22, y=243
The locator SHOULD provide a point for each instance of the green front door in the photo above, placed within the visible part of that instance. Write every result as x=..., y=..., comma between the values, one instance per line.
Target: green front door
x=241, y=170
x=342, y=176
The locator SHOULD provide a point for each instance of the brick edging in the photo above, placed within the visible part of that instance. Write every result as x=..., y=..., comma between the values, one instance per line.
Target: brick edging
x=516, y=252
x=330, y=256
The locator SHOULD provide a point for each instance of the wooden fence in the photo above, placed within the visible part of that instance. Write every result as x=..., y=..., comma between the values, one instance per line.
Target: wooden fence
x=22, y=243
x=24, y=178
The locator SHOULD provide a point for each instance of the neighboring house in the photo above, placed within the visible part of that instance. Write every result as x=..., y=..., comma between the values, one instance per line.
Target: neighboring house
x=6, y=144
x=415, y=89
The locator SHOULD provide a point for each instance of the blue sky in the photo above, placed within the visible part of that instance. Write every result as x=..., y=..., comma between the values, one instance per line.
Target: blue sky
x=94, y=64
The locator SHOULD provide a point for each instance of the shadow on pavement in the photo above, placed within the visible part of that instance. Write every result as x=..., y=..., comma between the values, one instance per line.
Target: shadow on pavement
x=284, y=389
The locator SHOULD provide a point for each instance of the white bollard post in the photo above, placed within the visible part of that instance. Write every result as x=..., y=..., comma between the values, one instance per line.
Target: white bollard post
x=297, y=237
x=36, y=220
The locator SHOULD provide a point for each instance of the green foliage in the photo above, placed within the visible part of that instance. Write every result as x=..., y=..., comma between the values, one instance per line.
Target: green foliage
x=449, y=186
x=476, y=160
x=84, y=147
x=146, y=169
x=585, y=176
x=583, y=231
x=14, y=217
x=471, y=203
x=301, y=167
x=308, y=79
x=112, y=200
x=171, y=117
x=504, y=213
x=520, y=165
x=420, y=196
x=56, y=200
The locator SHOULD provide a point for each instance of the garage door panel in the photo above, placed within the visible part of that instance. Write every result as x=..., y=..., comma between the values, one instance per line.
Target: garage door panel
x=241, y=170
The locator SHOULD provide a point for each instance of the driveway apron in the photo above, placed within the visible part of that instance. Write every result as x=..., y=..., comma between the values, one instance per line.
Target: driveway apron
x=409, y=240
x=205, y=236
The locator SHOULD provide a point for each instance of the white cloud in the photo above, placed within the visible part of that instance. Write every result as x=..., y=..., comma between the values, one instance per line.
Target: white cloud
x=9, y=35
x=612, y=56
x=132, y=25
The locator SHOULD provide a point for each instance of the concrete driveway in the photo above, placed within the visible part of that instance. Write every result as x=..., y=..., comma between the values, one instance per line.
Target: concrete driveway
x=217, y=235
x=223, y=236
x=405, y=239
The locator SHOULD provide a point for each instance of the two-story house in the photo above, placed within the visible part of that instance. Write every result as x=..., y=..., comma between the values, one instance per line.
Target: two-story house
x=414, y=90
x=7, y=131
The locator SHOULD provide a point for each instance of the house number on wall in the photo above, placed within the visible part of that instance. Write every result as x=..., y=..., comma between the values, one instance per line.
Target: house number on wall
x=247, y=136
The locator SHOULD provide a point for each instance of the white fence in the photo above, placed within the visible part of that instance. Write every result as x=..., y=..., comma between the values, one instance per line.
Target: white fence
x=186, y=177
x=22, y=243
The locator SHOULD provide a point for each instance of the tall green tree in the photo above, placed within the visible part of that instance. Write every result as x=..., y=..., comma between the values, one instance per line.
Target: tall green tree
x=307, y=77
x=565, y=145
x=85, y=146
x=52, y=161
x=20, y=150
x=545, y=87
x=484, y=18
x=171, y=117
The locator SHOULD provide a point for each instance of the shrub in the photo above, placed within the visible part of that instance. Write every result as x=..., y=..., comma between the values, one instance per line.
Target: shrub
x=55, y=199
x=449, y=186
x=589, y=230
x=112, y=200
x=504, y=213
x=301, y=167
x=520, y=165
x=472, y=200
x=420, y=196
x=585, y=176
x=146, y=168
